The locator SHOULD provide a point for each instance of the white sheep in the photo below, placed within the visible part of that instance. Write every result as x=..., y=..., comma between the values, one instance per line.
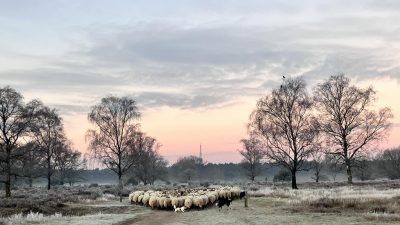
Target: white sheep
x=153, y=202
x=146, y=199
x=139, y=199
x=188, y=202
x=175, y=202
x=205, y=200
x=167, y=203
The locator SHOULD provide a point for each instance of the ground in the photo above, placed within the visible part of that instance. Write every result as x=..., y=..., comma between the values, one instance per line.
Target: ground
x=366, y=204
x=261, y=210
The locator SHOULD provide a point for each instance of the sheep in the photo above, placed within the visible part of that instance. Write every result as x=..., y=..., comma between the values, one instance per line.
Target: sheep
x=146, y=199
x=131, y=197
x=175, y=202
x=189, y=198
x=211, y=198
x=222, y=194
x=188, y=202
x=205, y=199
x=242, y=195
x=161, y=202
x=181, y=201
x=139, y=199
x=198, y=201
x=229, y=194
x=153, y=202
x=236, y=192
x=135, y=197
x=167, y=203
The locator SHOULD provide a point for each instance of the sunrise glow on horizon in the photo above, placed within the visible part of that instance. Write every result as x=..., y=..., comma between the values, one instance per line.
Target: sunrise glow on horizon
x=195, y=68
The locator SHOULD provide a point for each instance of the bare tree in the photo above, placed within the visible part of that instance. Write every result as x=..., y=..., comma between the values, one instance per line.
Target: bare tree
x=363, y=168
x=48, y=132
x=333, y=165
x=389, y=162
x=350, y=127
x=150, y=165
x=115, y=126
x=15, y=120
x=67, y=161
x=252, y=153
x=187, y=167
x=317, y=164
x=283, y=121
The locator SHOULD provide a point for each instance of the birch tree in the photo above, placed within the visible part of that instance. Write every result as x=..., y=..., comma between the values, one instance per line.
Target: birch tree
x=348, y=121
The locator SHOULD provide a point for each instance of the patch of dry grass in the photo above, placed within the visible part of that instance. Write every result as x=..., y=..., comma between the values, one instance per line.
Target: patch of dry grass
x=367, y=200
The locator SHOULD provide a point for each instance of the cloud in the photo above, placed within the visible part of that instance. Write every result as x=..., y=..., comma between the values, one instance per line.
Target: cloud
x=209, y=55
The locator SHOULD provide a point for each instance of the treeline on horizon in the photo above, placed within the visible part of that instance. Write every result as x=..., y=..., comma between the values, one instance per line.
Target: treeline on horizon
x=335, y=128
x=385, y=165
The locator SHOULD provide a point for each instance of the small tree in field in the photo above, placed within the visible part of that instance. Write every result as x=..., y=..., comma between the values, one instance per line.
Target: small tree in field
x=346, y=119
x=115, y=126
x=283, y=121
x=252, y=155
x=317, y=164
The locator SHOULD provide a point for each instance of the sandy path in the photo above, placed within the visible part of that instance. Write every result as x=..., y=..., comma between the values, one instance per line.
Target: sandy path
x=261, y=211
x=154, y=217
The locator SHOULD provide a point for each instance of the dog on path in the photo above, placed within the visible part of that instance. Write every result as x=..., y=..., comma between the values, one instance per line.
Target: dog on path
x=179, y=209
x=223, y=201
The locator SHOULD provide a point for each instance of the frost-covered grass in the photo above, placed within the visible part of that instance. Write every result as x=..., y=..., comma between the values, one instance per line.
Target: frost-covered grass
x=338, y=203
x=348, y=192
x=382, y=217
x=374, y=202
x=38, y=218
x=20, y=218
x=55, y=200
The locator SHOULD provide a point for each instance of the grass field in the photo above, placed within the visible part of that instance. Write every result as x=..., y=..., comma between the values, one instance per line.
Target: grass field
x=368, y=203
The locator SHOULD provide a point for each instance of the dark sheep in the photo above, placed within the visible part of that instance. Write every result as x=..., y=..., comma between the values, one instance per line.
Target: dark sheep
x=242, y=194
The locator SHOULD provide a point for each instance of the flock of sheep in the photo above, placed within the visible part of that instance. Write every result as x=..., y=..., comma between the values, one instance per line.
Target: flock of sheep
x=186, y=199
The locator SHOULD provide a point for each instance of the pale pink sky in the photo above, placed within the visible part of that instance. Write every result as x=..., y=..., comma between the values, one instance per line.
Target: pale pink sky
x=219, y=130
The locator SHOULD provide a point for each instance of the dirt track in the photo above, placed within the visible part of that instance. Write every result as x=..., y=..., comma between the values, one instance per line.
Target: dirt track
x=261, y=211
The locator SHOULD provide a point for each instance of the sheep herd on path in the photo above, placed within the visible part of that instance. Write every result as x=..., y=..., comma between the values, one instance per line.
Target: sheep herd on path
x=185, y=198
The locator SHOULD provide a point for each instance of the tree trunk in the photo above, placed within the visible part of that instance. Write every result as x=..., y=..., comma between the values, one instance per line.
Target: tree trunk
x=8, y=174
x=48, y=182
x=349, y=175
x=294, y=183
x=48, y=174
x=120, y=187
x=8, y=185
x=30, y=181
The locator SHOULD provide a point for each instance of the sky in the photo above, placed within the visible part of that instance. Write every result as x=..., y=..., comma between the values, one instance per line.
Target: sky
x=196, y=68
